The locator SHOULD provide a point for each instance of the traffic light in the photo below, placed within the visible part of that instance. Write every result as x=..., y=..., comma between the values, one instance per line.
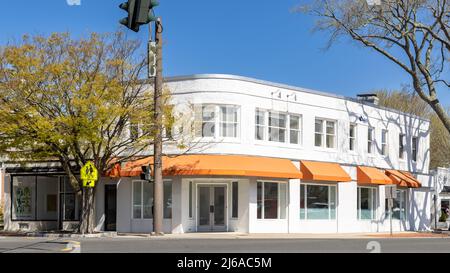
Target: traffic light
x=146, y=173
x=139, y=13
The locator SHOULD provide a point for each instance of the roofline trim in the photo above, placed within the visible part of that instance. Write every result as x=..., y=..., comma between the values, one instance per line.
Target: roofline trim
x=285, y=86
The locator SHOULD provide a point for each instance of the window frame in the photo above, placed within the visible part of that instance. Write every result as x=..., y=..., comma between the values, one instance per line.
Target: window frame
x=199, y=108
x=374, y=195
x=404, y=204
x=278, y=127
x=385, y=143
x=401, y=146
x=278, y=200
x=414, y=148
x=35, y=217
x=234, y=209
x=324, y=134
x=266, y=127
x=142, y=199
x=305, y=199
x=354, y=137
x=370, y=140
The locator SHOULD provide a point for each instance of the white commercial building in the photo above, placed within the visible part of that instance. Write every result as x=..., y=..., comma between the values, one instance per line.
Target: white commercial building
x=269, y=158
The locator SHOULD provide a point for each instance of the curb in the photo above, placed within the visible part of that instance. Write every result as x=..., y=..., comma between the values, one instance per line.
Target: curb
x=60, y=235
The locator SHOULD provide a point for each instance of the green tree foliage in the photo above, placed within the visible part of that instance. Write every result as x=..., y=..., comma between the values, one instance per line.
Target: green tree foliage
x=73, y=100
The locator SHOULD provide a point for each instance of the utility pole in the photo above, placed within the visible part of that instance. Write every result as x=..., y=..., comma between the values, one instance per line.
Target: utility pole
x=158, y=179
x=140, y=12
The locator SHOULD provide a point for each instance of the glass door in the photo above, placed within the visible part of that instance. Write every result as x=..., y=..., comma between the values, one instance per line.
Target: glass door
x=212, y=208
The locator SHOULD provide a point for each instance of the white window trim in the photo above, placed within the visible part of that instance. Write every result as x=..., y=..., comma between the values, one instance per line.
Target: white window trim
x=374, y=193
x=278, y=201
x=142, y=199
x=385, y=143
x=324, y=134
x=372, y=142
x=329, y=198
x=217, y=122
x=287, y=142
x=405, y=203
x=355, y=137
x=403, y=157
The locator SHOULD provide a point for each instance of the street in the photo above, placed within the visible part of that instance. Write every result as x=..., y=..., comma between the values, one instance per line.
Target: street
x=235, y=245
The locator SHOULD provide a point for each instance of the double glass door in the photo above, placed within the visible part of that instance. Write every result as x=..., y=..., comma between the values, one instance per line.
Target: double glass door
x=212, y=208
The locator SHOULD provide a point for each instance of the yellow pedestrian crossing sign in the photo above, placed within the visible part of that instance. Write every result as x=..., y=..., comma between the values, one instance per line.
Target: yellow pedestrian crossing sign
x=89, y=175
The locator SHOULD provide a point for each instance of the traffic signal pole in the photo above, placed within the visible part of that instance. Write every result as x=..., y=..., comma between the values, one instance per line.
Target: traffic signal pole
x=140, y=13
x=158, y=178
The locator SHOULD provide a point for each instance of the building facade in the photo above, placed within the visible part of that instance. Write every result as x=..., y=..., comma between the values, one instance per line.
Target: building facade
x=268, y=158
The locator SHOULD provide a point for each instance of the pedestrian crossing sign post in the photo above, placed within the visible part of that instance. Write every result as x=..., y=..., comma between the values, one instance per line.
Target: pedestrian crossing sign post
x=89, y=175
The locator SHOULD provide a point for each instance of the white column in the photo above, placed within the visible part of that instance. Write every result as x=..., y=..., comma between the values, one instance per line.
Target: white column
x=252, y=209
x=294, y=205
x=347, y=207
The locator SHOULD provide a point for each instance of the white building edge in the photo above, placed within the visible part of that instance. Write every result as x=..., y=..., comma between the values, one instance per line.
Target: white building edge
x=259, y=119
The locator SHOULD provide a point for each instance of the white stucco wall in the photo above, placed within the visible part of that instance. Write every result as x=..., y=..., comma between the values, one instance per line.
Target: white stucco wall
x=250, y=94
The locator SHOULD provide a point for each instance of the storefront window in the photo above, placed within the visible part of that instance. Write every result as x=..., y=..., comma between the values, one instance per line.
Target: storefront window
x=317, y=202
x=366, y=203
x=272, y=200
x=35, y=198
x=70, y=201
x=47, y=194
x=24, y=198
x=399, y=206
x=168, y=199
x=143, y=199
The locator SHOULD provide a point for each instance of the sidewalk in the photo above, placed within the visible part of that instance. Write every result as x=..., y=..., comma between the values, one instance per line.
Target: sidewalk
x=231, y=235
x=306, y=236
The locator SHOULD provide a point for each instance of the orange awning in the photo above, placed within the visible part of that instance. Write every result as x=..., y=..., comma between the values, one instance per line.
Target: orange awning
x=214, y=165
x=321, y=171
x=370, y=175
x=403, y=179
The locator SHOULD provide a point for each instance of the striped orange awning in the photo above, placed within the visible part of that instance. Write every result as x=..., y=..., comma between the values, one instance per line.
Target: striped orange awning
x=322, y=171
x=370, y=175
x=214, y=165
x=403, y=179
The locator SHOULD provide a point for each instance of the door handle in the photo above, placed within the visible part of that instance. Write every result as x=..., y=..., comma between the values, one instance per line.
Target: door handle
x=211, y=209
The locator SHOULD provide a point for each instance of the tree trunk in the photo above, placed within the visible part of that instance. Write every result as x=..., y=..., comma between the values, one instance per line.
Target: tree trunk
x=443, y=116
x=87, y=221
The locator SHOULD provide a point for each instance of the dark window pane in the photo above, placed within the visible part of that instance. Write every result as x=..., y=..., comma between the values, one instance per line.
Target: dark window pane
x=259, y=200
x=235, y=202
x=317, y=202
x=302, y=202
x=270, y=200
x=167, y=199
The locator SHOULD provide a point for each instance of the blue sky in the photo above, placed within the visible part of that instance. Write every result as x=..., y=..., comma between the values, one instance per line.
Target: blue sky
x=255, y=38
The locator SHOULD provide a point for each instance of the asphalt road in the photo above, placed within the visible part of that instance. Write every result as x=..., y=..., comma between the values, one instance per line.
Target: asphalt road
x=159, y=245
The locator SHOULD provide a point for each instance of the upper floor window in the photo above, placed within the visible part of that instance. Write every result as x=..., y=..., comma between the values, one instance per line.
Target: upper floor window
x=210, y=117
x=294, y=129
x=352, y=137
x=401, y=146
x=325, y=133
x=228, y=121
x=415, y=144
x=370, y=139
x=277, y=127
x=384, y=142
